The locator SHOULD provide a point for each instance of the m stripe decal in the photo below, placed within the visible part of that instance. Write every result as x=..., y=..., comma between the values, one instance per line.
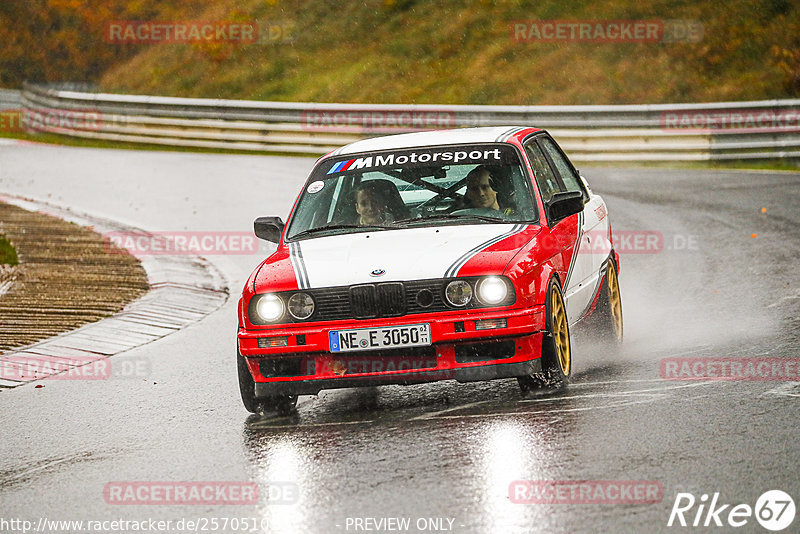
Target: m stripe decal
x=454, y=268
x=341, y=166
x=299, y=266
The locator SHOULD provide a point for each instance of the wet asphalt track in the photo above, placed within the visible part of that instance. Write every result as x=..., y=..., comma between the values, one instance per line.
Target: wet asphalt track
x=443, y=450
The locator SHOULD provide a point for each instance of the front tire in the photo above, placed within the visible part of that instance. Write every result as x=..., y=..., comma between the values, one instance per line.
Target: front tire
x=283, y=404
x=556, y=346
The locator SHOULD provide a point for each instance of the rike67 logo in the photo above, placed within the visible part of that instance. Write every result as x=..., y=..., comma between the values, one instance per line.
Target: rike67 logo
x=774, y=510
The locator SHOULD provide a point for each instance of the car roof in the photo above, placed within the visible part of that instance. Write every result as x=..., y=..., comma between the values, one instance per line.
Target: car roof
x=492, y=134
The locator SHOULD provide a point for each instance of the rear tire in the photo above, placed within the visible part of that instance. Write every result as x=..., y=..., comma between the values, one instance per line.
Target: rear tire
x=556, y=346
x=609, y=328
x=283, y=404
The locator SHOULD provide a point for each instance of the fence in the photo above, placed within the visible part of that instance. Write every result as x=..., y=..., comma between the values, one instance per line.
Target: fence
x=662, y=132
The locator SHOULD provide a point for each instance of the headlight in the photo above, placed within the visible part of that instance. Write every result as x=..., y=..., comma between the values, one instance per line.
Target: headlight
x=301, y=305
x=458, y=293
x=492, y=290
x=269, y=308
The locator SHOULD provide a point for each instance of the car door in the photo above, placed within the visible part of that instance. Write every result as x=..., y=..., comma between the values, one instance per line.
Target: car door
x=582, y=278
x=562, y=235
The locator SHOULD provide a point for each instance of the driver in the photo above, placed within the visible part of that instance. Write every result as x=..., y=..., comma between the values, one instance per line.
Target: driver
x=480, y=190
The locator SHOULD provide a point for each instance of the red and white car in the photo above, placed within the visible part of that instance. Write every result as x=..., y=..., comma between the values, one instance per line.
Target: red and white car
x=461, y=254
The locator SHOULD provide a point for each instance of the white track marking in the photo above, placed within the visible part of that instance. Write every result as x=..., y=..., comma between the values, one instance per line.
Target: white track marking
x=265, y=425
x=430, y=415
x=584, y=384
x=643, y=392
x=790, y=389
x=647, y=395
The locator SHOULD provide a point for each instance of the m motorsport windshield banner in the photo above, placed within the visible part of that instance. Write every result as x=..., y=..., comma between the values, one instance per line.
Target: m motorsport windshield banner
x=428, y=157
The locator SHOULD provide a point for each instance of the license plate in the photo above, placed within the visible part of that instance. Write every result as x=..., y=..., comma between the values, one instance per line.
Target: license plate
x=410, y=335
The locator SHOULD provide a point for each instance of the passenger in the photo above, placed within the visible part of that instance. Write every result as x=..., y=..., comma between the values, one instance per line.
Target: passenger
x=370, y=205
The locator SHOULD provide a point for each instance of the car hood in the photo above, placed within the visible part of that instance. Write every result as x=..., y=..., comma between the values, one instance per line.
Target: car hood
x=392, y=255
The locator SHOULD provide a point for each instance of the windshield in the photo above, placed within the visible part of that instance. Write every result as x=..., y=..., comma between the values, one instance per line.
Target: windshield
x=468, y=184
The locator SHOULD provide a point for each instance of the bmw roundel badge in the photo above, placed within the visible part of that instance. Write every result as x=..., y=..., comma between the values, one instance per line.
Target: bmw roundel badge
x=377, y=272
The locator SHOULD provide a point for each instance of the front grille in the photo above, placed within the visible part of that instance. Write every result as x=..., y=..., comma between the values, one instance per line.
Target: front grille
x=378, y=300
x=363, y=302
x=391, y=299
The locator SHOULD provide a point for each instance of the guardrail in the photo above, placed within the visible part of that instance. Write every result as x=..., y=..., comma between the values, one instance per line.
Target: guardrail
x=10, y=99
x=660, y=132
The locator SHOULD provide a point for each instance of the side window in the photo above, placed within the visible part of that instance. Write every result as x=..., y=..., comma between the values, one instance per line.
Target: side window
x=545, y=178
x=568, y=175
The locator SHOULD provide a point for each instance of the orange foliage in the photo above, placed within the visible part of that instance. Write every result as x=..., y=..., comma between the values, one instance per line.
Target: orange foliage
x=64, y=40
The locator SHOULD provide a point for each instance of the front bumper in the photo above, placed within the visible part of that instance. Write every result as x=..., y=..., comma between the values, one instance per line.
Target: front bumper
x=459, y=351
x=466, y=374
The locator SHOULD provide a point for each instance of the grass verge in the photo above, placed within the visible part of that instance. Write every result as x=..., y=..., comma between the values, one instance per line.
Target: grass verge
x=8, y=254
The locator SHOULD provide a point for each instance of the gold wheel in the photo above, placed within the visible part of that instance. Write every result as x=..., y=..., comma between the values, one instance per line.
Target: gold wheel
x=560, y=330
x=615, y=301
x=556, y=355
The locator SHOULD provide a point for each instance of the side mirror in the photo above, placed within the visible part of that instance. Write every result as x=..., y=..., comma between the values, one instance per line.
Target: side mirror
x=562, y=205
x=269, y=228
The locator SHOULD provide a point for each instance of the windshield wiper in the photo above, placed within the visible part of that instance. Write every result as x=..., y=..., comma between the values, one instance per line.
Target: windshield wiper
x=451, y=217
x=312, y=231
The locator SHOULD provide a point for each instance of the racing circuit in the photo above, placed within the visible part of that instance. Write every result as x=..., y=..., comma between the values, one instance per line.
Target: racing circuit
x=721, y=282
